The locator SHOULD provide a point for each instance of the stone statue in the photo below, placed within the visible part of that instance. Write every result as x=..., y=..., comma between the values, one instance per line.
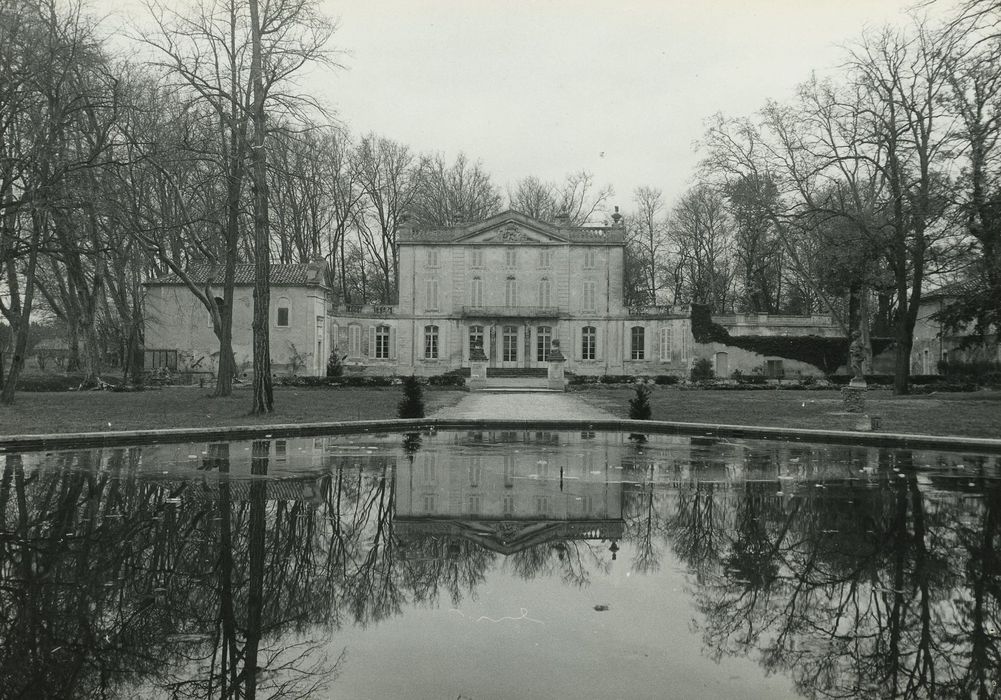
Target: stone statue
x=856, y=354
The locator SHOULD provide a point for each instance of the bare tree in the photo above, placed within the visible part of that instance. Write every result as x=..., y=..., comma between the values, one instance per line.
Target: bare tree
x=450, y=194
x=647, y=238
x=703, y=232
x=387, y=174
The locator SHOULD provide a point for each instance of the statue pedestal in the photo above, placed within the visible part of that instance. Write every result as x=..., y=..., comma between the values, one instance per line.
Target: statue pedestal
x=556, y=378
x=477, y=370
x=853, y=397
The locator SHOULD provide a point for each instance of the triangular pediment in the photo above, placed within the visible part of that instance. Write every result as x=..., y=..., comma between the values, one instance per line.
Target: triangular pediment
x=512, y=227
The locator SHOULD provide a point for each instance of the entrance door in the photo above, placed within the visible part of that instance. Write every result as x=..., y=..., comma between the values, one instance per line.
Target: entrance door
x=509, y=346
x=722, y=365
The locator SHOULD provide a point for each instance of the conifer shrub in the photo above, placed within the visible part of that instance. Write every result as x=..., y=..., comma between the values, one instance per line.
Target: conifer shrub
x=639, y=405
x=412, y=405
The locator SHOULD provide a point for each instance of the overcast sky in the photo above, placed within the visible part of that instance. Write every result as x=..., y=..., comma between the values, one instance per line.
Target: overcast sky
x=618, y=87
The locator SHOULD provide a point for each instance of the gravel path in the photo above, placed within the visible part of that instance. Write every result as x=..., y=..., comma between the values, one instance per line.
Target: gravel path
x=526, y=406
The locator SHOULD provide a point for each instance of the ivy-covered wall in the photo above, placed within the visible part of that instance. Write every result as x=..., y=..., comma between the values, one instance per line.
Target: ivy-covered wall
x=826, y=354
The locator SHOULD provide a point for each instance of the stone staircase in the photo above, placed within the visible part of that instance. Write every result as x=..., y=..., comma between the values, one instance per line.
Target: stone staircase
x=517, y=379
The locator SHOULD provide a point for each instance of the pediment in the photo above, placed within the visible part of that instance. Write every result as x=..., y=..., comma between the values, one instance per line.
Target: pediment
x=512, y=227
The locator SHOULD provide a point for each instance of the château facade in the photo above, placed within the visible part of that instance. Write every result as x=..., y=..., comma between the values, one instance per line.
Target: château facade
x=512, y=286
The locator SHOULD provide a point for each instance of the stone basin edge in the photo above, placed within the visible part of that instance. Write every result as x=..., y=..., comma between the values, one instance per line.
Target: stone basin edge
x=33, y=443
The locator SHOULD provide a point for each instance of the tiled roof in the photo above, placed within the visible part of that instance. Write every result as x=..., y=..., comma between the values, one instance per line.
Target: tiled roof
x=952, y=289
x=289, y=275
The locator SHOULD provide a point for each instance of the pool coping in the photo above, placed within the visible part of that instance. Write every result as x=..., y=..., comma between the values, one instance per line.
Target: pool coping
x=47, y=441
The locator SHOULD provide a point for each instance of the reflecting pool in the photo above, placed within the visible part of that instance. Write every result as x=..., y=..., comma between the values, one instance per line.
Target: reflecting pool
x=500, y=565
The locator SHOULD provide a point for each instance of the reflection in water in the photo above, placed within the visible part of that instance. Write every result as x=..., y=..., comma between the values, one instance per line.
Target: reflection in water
x=227, y=570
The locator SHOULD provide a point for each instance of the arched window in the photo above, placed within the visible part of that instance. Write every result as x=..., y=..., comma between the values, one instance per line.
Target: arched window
x=430, y=342
x=284, y=312
x=476, y=339
x=666, y=338
x=382, y=342
x=543, y=342
x=510, y=344
x=637, y=339
x=588, y=343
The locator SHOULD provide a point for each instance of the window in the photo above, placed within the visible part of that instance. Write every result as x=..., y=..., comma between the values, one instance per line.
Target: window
x=281, y=450
x=589, y=258
x=476, y=292
x=508, y=504
x=545, y=258
x=382, y=342
x=430, y=469
x=510, y=469
x=475, y=338
x=156, y=359
x=544, y=341
x=773, y=369
x=666, y=338
x=588, y=343
x=475, y=471
x=431, y=295
x=430, y=342
x=511, y=292
x=432, y=257
x=354, y=340
x=545, y=297
x=588, y=295
x=511, y=257
x=637, y=339
x=475, y=503
x=476, y=258
x=510, y=344
x=284, y=307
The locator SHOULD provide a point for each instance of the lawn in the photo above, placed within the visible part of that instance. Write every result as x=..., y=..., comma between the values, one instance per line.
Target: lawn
x=973, y=414
x=185, y=407
x=976, y=414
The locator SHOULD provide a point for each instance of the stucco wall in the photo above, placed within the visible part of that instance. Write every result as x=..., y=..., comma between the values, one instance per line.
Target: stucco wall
x=177, y=320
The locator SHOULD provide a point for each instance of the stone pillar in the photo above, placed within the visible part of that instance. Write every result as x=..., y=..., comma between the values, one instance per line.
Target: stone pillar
x=477, y=368
x=556, y=360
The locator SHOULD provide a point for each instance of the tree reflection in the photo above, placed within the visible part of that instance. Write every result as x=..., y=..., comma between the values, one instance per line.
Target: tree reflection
x=116, y=581
x=853, y=589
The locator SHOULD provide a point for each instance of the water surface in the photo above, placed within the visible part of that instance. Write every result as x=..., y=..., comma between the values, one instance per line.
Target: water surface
x=500, y=565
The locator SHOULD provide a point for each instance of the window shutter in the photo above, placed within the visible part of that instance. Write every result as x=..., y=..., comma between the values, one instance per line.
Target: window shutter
x=342, y=340
x=627, y=342
x=370, y=350
x=599, y=345
x=392, y=343
x=655, y=345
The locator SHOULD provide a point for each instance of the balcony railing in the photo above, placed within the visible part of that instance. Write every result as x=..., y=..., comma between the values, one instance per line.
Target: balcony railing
x=512, y=311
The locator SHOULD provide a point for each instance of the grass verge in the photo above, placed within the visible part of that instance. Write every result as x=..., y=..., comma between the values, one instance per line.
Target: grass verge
x=181, y=407
x=974, y=414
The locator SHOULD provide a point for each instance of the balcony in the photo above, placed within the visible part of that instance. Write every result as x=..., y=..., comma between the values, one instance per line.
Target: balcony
x=510, y=312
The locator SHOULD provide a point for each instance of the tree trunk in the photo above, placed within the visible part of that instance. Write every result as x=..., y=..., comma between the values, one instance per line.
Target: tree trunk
x=263, y=399
x=20, y=312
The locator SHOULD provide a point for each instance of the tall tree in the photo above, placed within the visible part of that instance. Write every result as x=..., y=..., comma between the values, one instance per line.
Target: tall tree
x=703, y=232
x=647, y=242
x=387, y=173
x=456, y=193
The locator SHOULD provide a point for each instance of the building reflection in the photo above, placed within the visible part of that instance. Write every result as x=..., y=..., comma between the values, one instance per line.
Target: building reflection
x=515, y=491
